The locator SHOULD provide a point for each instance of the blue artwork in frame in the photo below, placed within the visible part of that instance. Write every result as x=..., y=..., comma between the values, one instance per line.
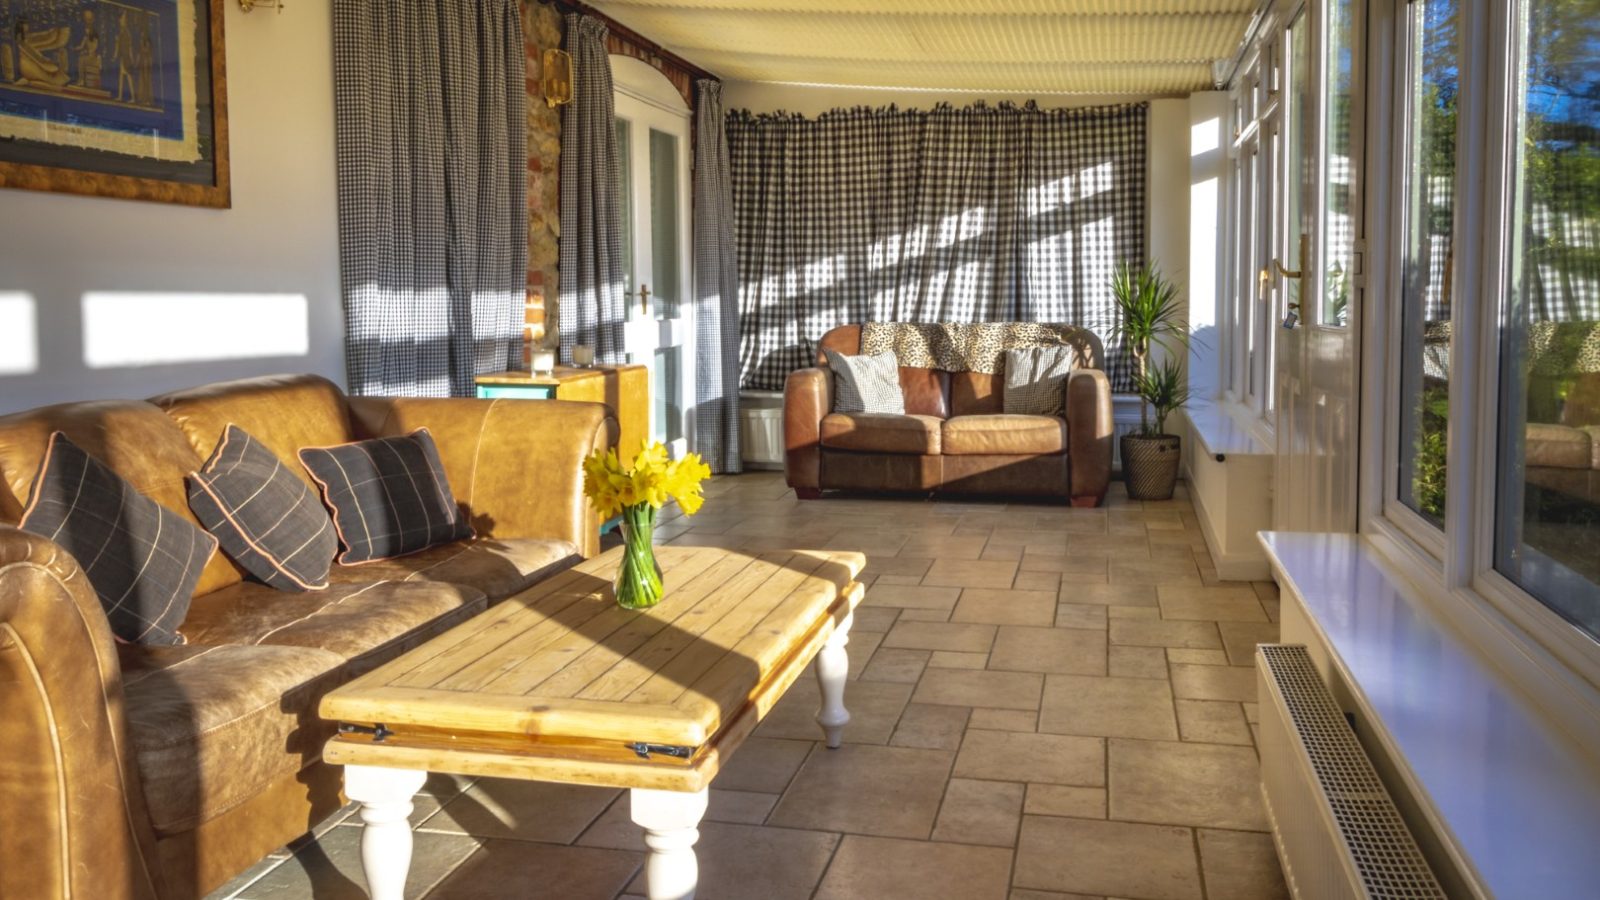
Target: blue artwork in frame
x=115, y=97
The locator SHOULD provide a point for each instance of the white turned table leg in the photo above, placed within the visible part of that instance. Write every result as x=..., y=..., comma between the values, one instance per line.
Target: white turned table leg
x=385, y=798
x=833, y=666
x=671, y=822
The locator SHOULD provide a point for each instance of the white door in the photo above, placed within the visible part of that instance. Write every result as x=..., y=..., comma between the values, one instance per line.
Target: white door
x=653, y=161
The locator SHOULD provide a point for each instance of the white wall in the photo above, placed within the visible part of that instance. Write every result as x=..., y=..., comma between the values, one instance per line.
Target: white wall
x=280, y=237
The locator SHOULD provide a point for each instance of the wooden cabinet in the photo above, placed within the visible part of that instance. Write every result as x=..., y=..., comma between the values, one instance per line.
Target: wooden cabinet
x=626, y=389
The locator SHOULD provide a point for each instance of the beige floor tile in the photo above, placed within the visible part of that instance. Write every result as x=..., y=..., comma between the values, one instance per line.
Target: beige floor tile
x=1252, y=713
x=1123, y=545
x=1231, y=604
x=964, y=687
x=1185, y=784
x=1066, y=650
x=989, y=606
x=741, y=807
x=1004, y=720
x=1080, y=615
x=868, y=867
x=745, y=862
x=958, y=659
x=525, y=810
x=1132, y=612
x=1240, y=639
x=1236, y=683
x=874, y=707
x=911, y=596
x=330, y=867
x=951, y=547
x=869, y=581
x=765, y=765
x=1075, y=568
x=1108, y=707
x=1107, y=594
x=940, y=636
x=1023, y=894
x=893, y=664
x=878, y=619
x=1161, y=633
x=971, y=573
x=504, y=870
x=924, y=615
x=1136, y=662
x=1241, y=865
x=1212, y=722
x=1005, y=552
x=1037, y=581
x=930, y=727
x=1066, y=800
x=1030, y=757
x=1107, y=858
x=860, y=651
x=862, y=789
x=879, y=564
x=1154, y=571
x=1197, y=657
x=980, y=812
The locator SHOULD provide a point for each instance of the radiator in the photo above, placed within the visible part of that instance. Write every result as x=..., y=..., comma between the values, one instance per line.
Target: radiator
x=1338, y=832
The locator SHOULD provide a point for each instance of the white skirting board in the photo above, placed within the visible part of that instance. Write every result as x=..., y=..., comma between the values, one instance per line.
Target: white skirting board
x=1232, y=499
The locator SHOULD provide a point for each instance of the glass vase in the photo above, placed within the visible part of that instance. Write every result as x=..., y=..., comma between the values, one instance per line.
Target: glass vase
x=639, y=584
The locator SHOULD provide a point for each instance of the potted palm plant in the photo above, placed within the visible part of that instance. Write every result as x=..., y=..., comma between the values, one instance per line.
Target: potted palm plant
x=1151, y=318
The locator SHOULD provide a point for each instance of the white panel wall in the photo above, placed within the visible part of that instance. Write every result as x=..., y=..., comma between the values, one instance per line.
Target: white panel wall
x=280, y=240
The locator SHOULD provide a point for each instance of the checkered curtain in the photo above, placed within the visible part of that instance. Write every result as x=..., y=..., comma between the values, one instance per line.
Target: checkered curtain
x=716, y=289
x=592, y=305
x=975, y=214
x=433, y=214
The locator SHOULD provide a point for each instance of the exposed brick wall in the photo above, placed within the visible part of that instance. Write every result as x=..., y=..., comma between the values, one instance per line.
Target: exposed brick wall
x=542, y=29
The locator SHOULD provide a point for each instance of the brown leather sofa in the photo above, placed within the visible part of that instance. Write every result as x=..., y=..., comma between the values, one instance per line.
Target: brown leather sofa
x=161, y=772
x=955, y=436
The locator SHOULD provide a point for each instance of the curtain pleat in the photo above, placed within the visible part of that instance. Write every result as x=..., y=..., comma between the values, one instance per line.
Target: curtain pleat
x=431, y=155
x=716, y=289
x=592, y=308
x=976, y=214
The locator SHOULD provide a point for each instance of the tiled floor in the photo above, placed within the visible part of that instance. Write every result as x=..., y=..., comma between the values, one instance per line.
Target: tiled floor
x=1048, y=704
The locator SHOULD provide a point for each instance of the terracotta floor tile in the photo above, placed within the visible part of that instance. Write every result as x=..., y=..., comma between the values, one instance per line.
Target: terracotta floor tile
x=1080, y=615
x=971, y=573
x=741, y=807
x=980, y=812
x=1197, y=657
x=1161, y=633
x=892, y=664
x=1107, y=858
x=1107, y=594
x=1065, y=800
x=911, y=596
x=1004, y=720
x=931, y=727
x=1185, y=784
x=1136, y=662
x=1064, y=650
x=1108, y=707
x=764, y=764
x=989, y=606
x=958, y=659
x=1241, y=865
x=862, y=789
x=1213, y=682
x=940, y=636
x=964, y=687
x=868, y=867
x=1030, y=757
x=1212, y=722
x=1232, y=604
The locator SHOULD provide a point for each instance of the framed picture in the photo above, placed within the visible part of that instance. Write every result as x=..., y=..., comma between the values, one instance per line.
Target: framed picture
x=118, y=98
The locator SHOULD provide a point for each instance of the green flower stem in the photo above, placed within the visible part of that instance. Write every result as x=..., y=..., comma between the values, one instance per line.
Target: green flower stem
x=639, y=578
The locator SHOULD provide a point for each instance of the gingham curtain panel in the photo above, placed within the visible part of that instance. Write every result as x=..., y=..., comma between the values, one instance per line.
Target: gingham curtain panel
x=977, y=214
x=591, y=307
x=716, y=290
x=433, y=215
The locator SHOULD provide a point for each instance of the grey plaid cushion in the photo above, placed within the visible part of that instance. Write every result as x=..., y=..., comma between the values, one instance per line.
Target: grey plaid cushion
x=1036, y=380
x=265, y=517
x=866, y=384
x=142, y=559
x=389, y=496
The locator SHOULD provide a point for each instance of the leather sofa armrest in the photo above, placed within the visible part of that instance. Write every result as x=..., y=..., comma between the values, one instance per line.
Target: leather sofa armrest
x=807, y=397
x=515, y=465
x=1088, y=435
x=77, y=825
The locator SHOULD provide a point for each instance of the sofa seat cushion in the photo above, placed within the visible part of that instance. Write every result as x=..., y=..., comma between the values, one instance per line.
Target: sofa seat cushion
x=211, y=727
x=1558, y=446
x=875, y=433
x=499, y=567
x=363, y=624
x=1004, y=435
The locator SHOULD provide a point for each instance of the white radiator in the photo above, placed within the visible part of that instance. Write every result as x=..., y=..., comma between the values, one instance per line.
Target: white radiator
x=1337, y=830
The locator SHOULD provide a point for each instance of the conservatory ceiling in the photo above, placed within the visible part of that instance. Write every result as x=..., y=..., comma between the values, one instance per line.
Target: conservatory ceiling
x=1023, y=46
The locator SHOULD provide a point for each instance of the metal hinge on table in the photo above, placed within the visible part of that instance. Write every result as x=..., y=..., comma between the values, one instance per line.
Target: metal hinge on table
x=378, y=731
x=644, y=750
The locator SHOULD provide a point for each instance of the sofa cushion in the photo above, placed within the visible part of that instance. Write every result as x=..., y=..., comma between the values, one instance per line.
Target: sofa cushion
x=1036, y=380
x=266, y=518
x=881, y=433
x=1593, y=431
x=866, y=384
x=499, y=567
x=142, y=559
x=1558, y=446
x=389, y=496
x=210, y=727
x=926, y=392
x=366, y=623
x=976, y=394
x=1004, y=435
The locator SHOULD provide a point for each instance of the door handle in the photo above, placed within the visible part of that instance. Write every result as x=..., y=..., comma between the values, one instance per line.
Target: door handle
x=1305, y=242
x=644, y=299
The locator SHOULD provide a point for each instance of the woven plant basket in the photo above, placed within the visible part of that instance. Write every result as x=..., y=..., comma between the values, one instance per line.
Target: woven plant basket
x=1150, y=465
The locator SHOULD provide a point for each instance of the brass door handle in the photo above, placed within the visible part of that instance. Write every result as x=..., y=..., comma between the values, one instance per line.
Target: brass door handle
x=1305, y=247
x=644, y=299
x=1286, y=273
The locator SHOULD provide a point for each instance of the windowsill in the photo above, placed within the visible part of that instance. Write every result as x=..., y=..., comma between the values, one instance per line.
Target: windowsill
x=1224, y=430
x=1511, y=796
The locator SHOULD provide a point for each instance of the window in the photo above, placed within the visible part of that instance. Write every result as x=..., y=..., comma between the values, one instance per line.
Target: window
x=1428, y=253
x=1338, y=225
x=1547, y=522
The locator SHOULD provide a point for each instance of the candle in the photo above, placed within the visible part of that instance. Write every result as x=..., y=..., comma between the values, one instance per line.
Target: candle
x=582, y=355
x=544, y=362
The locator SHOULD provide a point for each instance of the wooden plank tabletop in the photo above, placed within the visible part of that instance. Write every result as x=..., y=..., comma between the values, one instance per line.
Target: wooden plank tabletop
x=559, y=375
x=559, y=677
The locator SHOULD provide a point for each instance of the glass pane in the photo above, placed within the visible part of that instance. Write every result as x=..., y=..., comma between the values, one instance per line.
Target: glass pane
x=1429, y=256
x=1548, y=518
x=1252, y=234
x=1338, y=228
x=664, y=242
x=1297, y=112
x=668, y=390
x=625, y=205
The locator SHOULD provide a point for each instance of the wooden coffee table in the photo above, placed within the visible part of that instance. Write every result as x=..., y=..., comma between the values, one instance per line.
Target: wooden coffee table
x=559, y=684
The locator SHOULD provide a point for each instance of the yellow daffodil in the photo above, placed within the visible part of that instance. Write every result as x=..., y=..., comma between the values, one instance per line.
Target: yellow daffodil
x=651, y=480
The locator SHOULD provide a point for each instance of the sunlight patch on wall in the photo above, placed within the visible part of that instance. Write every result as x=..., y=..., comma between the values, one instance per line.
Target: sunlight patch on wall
x=1205, y=137
x=19, y=333
x=136, y=328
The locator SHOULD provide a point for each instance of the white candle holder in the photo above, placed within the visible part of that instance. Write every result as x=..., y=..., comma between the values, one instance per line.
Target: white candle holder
x=582, y=355
x=544, y=362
